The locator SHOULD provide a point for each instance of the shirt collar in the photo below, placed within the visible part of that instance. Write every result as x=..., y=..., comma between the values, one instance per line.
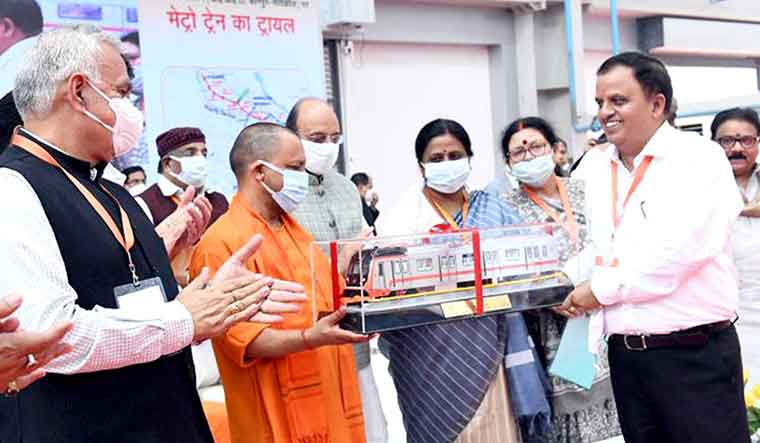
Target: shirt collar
x=79, y=168
x=656, y=146
x=168, y=188
x=315, y=179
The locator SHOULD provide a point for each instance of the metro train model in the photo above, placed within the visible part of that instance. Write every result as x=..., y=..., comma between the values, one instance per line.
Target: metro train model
x=433, y=268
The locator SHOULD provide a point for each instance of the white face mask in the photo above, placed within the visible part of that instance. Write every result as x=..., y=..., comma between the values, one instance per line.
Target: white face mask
x=534, y=172
x=194, y=170
x=128, y=127
x=320, y=157
x=447, y=177
x=295, y=186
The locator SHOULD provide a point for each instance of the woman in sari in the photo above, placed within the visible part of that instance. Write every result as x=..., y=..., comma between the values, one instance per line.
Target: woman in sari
x=451, y=377
x=578, y=415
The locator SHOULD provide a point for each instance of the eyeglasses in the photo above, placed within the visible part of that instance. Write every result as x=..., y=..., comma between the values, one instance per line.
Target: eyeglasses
x=324, y=138
x=747, y=141
x=536, y=149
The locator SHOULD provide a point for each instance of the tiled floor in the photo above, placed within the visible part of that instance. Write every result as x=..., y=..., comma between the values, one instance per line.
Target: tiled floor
x=390, y=405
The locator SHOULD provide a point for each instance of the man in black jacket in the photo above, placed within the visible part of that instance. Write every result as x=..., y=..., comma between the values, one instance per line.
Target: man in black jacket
x=81, y=250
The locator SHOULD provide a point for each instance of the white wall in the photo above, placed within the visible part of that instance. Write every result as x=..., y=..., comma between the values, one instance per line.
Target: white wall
x=391, y=90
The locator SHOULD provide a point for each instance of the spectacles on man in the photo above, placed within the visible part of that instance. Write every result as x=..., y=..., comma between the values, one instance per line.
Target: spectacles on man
x=536, y=149
x=746, y=141
x=320, y=138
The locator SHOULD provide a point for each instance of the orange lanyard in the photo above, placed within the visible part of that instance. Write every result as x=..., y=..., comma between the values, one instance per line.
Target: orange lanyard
x=127, y=239
x=176, y=200
x=638, y=177
x=445, y=215
x=571, y=226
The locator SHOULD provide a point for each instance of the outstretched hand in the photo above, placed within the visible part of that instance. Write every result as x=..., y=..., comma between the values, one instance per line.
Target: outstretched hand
x=16, y=347
x=284, y=297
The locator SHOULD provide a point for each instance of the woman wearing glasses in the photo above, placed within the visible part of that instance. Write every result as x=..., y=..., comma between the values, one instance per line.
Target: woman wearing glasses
x=578, y=415
x=736, y=131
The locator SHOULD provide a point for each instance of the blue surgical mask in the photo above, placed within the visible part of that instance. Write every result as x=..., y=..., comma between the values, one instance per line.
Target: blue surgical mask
x=295, y=185
x=447, y=177
x=534, y=172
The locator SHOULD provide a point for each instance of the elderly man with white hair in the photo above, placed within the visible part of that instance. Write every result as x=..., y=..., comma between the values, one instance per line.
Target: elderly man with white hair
x=81, y=251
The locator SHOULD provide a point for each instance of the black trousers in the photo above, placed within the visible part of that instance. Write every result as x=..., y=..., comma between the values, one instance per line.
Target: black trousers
x=681, y=395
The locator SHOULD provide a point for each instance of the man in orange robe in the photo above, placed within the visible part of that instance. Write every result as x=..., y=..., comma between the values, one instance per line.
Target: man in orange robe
x=296, y=381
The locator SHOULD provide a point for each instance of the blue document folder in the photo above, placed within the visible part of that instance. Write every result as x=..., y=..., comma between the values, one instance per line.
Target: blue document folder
x=573, y=361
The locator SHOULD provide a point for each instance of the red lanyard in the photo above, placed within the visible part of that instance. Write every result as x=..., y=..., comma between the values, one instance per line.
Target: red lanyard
x=445, y=215
x=127, y=239
x=637, y=179
x=617, y=218
x=571, y=226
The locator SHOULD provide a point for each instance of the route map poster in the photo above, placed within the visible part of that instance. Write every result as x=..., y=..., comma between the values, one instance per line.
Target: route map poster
x=222, y=65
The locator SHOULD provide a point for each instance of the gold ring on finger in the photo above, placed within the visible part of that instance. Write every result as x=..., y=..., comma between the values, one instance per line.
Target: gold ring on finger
x=237, y=307
x=12, y=388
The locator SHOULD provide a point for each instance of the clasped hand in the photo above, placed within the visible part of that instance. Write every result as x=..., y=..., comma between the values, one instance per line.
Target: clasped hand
x=580, y=301
x=236, y=294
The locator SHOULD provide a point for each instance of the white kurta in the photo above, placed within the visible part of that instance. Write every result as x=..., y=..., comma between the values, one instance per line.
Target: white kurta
x=746, y=247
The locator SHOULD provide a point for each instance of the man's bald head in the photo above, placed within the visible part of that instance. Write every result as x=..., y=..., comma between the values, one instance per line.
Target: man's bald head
x=256, y=142
x=313, y=118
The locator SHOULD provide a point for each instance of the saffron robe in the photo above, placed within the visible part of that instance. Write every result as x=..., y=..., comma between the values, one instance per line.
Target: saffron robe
x=304, y=397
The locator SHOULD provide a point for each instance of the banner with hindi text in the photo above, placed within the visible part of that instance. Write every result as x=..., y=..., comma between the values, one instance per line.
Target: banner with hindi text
x=221, y=65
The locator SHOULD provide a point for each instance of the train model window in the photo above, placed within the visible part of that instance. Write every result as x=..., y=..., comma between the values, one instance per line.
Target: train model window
x=512, y=253
x=447, y=262
x=528, y=253
x=467, y=259
x=536, y=252
x=424, y=264
x=545, y=250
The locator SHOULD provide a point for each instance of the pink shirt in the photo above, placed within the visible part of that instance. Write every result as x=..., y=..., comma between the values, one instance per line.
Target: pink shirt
x=676, y=269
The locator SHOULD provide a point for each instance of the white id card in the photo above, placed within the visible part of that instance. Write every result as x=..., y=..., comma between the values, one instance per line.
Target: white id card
x=144, y=297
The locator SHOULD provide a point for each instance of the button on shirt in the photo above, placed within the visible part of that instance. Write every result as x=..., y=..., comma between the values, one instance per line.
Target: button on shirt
x=673, y=243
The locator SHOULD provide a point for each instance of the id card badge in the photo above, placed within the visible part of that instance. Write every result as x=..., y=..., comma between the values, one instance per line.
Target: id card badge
x=145, y=296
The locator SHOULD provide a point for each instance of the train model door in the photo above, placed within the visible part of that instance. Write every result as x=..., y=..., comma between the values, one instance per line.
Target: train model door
x=447, y=270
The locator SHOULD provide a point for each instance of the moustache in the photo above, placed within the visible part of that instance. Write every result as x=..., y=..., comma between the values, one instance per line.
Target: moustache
x=737, y=156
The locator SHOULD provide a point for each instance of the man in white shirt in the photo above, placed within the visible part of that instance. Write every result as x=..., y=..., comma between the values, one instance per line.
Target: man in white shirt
x=661, y=206
x=20, y=23
x=737, y=130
